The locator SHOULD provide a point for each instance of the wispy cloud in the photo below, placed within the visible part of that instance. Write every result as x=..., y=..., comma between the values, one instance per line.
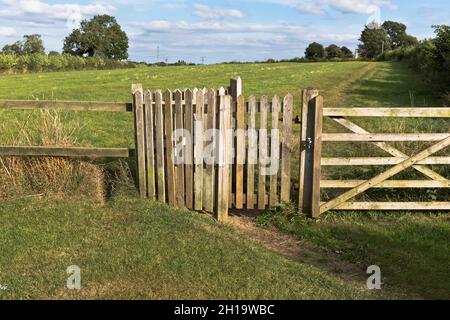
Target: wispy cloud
x=208, y=13
x=39, y=11
x=8, y=32
x=320, y=7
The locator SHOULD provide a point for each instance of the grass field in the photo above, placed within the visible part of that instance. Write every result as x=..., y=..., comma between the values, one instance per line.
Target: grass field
x=132, y=249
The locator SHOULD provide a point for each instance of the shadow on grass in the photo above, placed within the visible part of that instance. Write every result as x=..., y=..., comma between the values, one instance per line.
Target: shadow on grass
x=412, y=251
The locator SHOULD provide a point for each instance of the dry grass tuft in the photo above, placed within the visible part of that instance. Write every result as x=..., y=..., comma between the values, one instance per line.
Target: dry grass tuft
x=48, y=176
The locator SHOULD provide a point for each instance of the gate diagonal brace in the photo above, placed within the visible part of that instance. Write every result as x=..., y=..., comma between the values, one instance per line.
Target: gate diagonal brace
x=384, y=176
x=388, y=148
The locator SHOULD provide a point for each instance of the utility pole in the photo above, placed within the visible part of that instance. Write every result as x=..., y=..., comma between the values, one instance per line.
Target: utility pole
x=203, y=60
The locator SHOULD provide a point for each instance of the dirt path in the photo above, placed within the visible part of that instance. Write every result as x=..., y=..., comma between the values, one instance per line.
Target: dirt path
x=295, y=250
x=338, y=95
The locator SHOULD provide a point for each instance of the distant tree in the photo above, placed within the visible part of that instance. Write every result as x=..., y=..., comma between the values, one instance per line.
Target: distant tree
x=54, y=53
x=15, y=48
x=314, y=51
x=33, y=44
x=442, y=44
x=101, y=36
x=396, y=31
x=373, y=39
x=180, y=63
x=398, y=36
x=333, y=52
x=346, y=52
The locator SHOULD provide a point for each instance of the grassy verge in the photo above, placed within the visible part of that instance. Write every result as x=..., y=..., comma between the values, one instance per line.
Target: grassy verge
x=411, y=250
x=132, y=249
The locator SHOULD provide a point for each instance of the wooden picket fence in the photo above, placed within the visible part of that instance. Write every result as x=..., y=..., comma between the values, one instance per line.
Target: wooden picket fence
x=250, y=131
x=230, y=181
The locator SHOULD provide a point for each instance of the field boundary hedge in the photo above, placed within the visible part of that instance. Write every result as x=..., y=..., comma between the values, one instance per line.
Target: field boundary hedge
x=10, y=63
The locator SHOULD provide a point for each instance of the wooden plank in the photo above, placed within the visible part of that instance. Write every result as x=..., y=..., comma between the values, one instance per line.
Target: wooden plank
x=179, y=166
x=208, y=174
x=380, y=161
x=394, y=184
x=198, y=149
x=232, y=152
x=168, y=132
x=160, y=150
x=263, y=152
x=385, y=175
x=252, y=153
x=149, y=144
x=235, y=89
x=388, y=112
x=240, y=152
x=388, y=148
x=139, y=135
x=336, y=137
x=317, y=155
x=72, y=152
x=305, y=168
x=286, y=148
x=66, y=105
x=189, y=156
x=274, y=151
x=387, y=206
x=223, y=190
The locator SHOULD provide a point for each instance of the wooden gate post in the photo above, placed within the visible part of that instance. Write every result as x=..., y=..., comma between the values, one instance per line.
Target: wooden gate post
x=311, y=153
x=139, y=138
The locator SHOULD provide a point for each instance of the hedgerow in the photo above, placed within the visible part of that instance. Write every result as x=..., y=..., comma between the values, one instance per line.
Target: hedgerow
x=66, y=62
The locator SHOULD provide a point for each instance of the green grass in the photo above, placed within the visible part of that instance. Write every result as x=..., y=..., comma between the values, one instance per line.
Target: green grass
x=411, y=249
x=341, y=84
x=131, y=249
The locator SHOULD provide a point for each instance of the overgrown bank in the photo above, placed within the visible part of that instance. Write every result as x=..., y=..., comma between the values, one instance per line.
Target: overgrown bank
x=430, y=58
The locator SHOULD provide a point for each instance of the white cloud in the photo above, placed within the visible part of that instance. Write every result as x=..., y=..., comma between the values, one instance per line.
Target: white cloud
x=165, y=26
x=39, y=11
x=206, y=12
x=319, y=7
x=8, y=32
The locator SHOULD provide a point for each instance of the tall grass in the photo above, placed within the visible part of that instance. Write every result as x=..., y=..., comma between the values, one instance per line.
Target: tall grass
x=49, y=176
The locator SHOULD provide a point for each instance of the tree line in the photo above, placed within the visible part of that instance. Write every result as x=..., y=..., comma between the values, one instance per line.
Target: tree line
x=99, y=43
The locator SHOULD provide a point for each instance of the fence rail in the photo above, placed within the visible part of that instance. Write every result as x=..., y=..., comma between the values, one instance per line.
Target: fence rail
x=66, y=105
x=21, y=151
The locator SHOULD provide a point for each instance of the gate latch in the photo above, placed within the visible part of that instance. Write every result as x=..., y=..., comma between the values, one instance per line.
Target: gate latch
x=308, y=143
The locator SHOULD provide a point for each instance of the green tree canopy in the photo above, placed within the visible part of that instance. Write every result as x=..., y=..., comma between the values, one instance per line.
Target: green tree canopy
x=315, y=51
x=373, y=39
x=101, y=36
x=333, y=52
x=346, y=52
x=31, y=44
x=398, y=36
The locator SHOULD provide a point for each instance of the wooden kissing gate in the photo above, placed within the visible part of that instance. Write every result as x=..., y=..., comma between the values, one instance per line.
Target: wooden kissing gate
x=245, y=130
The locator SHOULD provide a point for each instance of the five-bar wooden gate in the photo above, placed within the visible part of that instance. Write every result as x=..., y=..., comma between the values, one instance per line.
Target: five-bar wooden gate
x=311, y=160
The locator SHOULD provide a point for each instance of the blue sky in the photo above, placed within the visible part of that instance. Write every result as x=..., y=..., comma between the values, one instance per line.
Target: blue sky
x=220, y=30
